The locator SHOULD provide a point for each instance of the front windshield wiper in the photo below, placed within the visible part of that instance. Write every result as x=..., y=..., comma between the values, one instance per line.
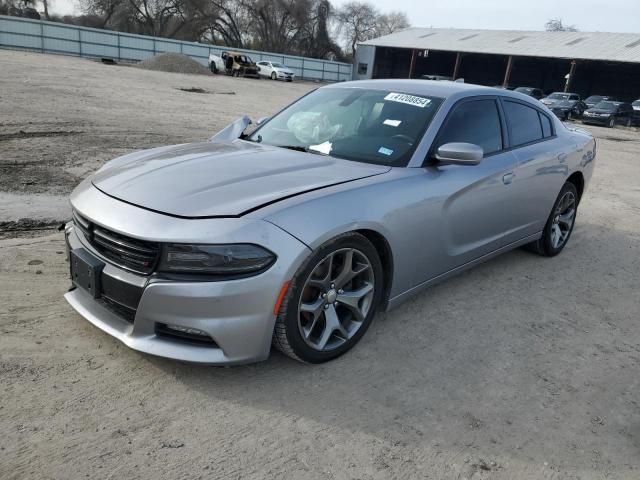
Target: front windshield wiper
x=299, y=148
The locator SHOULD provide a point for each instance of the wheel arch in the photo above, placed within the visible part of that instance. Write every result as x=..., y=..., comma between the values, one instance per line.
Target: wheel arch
x=577, y=178
x=385, y=253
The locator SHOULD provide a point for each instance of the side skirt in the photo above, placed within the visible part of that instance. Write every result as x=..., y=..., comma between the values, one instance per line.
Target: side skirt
x=398, y=299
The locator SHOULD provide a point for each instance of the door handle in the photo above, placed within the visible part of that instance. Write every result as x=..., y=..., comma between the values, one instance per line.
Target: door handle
x=508, y=178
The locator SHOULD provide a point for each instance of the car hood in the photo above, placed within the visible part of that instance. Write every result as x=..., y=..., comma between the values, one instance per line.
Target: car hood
x=221, y=179
x=557, y=103
x=564, y=104
x=599, y=110
x=283, y=70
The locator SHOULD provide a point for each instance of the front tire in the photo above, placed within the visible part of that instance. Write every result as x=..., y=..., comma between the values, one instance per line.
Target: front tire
x=560, y=223
x=611, y=123
x=331, y=300
x=273, y=75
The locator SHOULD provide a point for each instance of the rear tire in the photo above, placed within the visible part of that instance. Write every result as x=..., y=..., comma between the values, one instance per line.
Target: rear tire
x=559, y=226
x=331, y=300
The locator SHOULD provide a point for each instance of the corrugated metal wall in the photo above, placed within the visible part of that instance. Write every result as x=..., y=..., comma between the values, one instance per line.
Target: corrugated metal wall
x=49, y=37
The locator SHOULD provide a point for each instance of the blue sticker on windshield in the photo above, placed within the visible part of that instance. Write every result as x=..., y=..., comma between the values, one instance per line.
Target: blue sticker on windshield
x=385, y=151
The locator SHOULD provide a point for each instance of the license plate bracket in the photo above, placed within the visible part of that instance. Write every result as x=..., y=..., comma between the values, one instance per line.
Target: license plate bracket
x=86, y=271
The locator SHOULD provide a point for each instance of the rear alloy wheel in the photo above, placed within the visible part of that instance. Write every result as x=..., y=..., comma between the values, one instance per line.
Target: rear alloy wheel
x=560, y=223
x=331, y=301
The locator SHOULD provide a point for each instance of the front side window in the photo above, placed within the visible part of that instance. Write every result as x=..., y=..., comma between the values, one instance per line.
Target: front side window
x=372, y=126
x=524, y=123
x=477, y=122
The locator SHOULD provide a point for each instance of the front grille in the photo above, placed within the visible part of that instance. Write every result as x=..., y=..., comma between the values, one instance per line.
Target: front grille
x=132, y=254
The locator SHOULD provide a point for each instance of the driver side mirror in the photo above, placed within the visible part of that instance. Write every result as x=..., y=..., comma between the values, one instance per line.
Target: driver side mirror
x=458, y=153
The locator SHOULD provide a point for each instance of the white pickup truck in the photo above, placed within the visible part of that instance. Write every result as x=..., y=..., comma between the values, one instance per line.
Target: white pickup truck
x=216, y=64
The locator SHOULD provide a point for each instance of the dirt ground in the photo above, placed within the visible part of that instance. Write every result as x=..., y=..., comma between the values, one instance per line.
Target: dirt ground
x=522, y=368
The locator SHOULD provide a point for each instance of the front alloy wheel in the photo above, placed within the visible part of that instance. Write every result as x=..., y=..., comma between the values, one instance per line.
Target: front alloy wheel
x=335, y=299
x=331, y=300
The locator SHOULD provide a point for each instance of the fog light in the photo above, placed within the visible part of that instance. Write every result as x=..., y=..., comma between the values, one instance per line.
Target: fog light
x=187, y=330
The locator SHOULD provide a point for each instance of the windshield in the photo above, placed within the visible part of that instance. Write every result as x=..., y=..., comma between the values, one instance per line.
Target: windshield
x=606, y=106
x=595, y=99
x=559, y=96
x=278, y=65
x=372, y=126
x=636, y=103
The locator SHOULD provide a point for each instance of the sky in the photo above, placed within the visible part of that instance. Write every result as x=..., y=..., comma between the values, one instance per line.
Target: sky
x=587, y=15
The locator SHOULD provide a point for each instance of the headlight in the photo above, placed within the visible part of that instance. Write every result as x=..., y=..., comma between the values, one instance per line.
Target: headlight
x=236, y=259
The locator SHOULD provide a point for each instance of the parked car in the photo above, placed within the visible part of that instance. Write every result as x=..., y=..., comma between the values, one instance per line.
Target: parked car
x=565, y=106
x=437, y=78
x=593, y=100
x=275, y=71
x=349, y=200
x=609, y=114
x=216, y=64
x=238, y=64
x=531, y=91
x=636, y=112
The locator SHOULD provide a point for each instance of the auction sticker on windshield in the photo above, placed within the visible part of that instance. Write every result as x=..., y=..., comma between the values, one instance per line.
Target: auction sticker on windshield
x=408, y=99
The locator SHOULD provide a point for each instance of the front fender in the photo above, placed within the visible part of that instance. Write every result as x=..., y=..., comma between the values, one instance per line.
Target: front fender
x=389, y=206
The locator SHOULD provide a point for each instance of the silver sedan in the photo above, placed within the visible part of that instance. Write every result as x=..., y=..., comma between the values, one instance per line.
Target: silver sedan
x=346, y=202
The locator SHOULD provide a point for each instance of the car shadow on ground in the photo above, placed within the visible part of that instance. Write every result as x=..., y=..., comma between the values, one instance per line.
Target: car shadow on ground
x=518, y=345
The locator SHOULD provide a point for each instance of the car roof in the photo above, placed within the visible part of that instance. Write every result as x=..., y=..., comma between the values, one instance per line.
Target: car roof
x=441, y=88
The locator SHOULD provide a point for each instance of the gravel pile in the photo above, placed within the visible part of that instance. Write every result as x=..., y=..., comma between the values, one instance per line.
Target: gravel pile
x=173, y=62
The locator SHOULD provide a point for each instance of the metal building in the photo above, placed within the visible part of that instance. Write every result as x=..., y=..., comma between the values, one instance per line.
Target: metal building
x=583, y=62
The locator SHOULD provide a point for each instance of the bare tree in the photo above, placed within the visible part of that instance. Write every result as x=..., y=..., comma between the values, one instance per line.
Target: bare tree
x=299, y=27
x=391, y=22
x=45, y=6
x=556, y=25
x=357, y=23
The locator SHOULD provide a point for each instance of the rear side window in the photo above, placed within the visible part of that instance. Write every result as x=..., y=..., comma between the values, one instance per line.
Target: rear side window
x=547, y=131
x=477, y=122
x=524, y=123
